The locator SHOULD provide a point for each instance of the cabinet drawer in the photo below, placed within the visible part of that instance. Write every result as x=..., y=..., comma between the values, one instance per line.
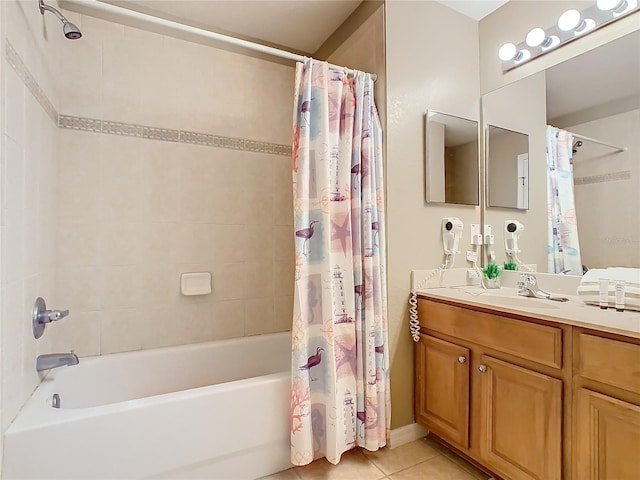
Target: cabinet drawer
x=531, y=341
x=608, y=361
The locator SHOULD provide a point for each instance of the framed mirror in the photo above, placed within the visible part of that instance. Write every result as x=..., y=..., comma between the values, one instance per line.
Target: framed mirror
x=507, y=168
x=452, y=160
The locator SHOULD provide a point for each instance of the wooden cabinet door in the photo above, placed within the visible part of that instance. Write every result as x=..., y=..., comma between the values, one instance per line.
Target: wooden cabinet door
x=607, y=438
x=521, y=421
x=442, y=389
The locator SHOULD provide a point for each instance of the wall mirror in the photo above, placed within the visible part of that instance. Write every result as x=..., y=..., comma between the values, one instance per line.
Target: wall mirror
x=507, y=168
x=596, y=97
x=452, y=161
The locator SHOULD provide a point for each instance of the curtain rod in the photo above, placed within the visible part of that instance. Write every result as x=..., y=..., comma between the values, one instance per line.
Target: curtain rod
x=99, y=9
x=599, y=142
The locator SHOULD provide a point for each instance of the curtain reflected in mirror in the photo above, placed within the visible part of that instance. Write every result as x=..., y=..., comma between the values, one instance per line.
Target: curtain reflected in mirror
x=507, y=168
x=451, y=159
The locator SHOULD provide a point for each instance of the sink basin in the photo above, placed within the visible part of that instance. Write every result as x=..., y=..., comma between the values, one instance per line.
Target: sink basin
x=526, y=302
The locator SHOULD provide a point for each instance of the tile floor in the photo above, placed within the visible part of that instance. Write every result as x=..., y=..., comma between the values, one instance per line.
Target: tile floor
x=423, y=459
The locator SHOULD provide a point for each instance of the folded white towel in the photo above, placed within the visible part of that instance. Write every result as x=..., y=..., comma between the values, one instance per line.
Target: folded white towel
x=589, y=288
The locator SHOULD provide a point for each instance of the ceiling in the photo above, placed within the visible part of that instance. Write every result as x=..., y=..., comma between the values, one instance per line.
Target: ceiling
x=301, y=25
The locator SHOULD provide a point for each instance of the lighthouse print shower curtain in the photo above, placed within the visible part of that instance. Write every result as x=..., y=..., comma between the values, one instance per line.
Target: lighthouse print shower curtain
x=340, y=363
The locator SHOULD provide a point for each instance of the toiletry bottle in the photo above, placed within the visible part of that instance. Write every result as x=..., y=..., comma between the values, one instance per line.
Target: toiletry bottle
x=620, y=296
x=604, y=293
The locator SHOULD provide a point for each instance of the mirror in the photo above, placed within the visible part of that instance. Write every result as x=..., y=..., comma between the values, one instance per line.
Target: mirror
x=596, y=97
x=451, y=159
x=507, y=168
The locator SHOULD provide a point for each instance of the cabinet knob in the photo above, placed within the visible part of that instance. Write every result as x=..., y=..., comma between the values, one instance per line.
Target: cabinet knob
x=482, y=368
x=462, y=359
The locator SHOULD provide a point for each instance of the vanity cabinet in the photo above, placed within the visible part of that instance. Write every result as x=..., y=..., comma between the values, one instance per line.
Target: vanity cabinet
x=606, y=407
x=529, y=398
x=520, y=421
x=442, y=398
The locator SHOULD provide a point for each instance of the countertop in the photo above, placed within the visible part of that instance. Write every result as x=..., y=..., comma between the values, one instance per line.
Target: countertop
x=574, y=312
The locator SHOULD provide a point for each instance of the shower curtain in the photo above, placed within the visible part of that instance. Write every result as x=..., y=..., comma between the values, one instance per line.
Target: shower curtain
x=340, y=358
x=563, y=247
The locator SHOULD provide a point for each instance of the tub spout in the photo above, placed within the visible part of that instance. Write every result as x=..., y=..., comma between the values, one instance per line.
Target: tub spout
x=53, y=360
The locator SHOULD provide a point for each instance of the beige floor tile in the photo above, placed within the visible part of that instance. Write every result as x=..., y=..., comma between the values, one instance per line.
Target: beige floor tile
x=466, y=466
x=437, y=468
x=284, y=475
x=352, y=465
x=392, y=461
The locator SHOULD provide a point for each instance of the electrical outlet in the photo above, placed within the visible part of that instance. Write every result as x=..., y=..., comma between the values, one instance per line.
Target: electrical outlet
x=472, y=273
x=472, y=256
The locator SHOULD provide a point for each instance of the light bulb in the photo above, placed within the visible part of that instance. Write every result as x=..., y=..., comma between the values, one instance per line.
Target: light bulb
x=569, y=20
x=507, y=52
x=536, y=37
x=607, y=5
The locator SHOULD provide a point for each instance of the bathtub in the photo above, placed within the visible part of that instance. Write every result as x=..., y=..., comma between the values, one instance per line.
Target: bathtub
x=217, y=410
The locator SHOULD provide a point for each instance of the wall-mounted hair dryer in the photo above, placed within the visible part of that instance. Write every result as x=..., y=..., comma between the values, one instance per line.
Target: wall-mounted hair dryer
x=451, y=234
x=512, y=231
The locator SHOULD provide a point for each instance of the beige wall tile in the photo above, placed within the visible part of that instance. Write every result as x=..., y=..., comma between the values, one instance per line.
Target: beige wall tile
x=80, y=332
x=78, y=157
x=259, y=316
x=79, y=289
x=120, y=286
x=226, y=320
x=128, y=329
x=283, y=277
x=284, y=243
x=14, y=107
x=80, y=245
x=283, y=312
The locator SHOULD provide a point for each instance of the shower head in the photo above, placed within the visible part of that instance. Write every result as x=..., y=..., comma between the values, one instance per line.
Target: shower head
x=70, y=31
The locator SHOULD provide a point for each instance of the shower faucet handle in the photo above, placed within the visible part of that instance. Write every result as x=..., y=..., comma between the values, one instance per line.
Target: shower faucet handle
x=41, y=316
x=53, y=315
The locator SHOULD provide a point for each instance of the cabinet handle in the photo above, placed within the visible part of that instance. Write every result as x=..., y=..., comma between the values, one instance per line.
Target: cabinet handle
x=482, y=368
x=462, y=359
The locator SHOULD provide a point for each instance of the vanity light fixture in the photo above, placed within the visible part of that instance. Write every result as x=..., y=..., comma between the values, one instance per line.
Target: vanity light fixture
x=571, y=25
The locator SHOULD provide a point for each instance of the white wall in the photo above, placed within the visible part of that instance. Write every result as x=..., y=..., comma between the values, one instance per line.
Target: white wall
x=432, y=63
x=29, y=65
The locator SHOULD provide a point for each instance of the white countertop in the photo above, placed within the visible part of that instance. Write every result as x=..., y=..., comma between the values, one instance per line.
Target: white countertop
x=574, y=312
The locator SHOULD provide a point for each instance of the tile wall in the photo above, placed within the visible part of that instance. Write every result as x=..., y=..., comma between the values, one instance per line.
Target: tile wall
x=29, y=66
x=174, y=157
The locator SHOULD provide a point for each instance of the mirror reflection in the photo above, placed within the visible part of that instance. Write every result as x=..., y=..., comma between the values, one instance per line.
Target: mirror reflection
x=507, y=168
x=583, y=119
x=451, y=159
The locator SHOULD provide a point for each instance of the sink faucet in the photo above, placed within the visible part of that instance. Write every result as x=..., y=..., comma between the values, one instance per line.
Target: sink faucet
x=53, y=360
x=528, y=287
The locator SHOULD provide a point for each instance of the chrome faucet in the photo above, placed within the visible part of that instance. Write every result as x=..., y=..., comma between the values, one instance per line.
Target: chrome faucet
x=53, y=360
x=528, y=287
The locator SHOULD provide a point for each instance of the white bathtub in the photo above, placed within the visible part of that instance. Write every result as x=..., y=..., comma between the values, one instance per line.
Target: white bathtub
x=217, y=410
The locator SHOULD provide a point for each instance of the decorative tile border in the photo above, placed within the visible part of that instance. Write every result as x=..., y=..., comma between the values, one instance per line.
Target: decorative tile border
x=132, y=130
x=607, y=177
x=29, y=81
